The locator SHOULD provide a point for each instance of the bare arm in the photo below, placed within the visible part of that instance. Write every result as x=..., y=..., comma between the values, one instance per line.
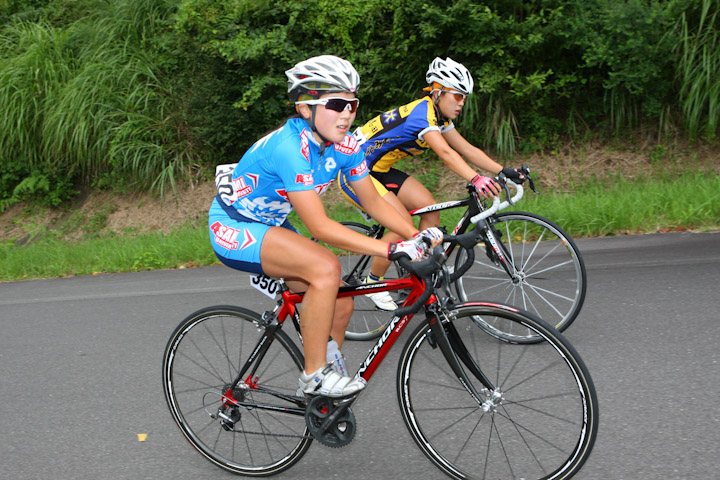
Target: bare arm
x=470, y=152
x=381, y=210
x=449, y=157
x=312, y=213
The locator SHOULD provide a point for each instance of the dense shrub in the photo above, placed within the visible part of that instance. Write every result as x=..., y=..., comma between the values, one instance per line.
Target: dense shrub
x=543, y=68
x=85, y=101
x=143, y=92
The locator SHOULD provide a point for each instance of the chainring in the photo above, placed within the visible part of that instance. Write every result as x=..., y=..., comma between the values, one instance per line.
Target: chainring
x=340, y=432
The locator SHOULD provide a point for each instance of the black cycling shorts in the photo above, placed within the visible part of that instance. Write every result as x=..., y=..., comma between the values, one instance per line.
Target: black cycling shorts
x=393, y=179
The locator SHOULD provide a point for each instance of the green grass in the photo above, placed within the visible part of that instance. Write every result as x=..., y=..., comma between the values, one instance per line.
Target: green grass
x=664, y=202
x=686, y=201
x=50, y=257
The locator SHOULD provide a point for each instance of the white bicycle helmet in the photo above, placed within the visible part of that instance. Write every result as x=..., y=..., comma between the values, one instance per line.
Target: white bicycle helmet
x=323, y=74
x=450, y=74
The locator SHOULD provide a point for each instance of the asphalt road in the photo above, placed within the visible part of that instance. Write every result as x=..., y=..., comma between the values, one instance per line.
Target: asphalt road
x=80, y=380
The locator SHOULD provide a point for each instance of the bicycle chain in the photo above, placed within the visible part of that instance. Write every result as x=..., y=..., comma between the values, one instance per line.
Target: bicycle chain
x=272, y=434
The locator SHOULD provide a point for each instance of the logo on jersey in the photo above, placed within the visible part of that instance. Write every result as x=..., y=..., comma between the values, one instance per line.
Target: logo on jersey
x=349, y=146
x=305, y=179
x=227, y=237
x=283, y=193
x=376, y=145
x=320, y=189
x=242, y=187
x=305, y=145
x=359, y=170
x=390, y=116
x=330, y=164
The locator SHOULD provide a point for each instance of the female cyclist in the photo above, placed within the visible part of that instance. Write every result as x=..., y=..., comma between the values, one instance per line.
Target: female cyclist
x=409, y=131
x=288, y=169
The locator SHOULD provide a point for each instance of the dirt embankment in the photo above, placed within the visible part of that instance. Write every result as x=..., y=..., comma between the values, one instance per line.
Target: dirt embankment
x=101, y=212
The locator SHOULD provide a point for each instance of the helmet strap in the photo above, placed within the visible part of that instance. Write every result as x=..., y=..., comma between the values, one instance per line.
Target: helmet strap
x=436, y=100
x=323, y=141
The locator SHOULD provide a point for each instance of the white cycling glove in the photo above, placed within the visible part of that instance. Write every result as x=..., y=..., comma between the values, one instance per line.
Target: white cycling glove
x=416, y=248
x=433, y=234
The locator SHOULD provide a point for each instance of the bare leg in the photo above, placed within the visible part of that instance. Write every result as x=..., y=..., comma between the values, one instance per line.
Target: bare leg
x=317, y=271
x=380, y=265
x=343, y=311
x=414, y=194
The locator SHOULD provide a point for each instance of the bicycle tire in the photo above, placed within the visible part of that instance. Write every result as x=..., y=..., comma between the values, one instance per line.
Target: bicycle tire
x=367, y=321
x=543, y=427
x=549, y=279
x=202, y=357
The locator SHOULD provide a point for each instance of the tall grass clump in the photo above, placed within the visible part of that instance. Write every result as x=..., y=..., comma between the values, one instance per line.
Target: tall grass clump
x=491, y=122
x=89, y=101
x=698, y=69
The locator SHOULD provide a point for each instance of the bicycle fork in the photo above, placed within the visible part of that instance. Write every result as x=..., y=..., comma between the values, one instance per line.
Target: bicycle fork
x=453, y=348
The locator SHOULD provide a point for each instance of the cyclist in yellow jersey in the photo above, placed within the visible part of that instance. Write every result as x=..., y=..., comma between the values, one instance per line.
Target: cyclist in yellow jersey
x=409, y=131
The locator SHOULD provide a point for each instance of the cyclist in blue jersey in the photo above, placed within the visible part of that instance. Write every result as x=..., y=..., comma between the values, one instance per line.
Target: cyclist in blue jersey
x=287, y=170
x=409, y=131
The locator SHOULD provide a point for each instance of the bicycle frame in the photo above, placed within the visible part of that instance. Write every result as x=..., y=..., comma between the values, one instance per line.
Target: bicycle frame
x=475, y=213
x=450, y=342
x=475, y=208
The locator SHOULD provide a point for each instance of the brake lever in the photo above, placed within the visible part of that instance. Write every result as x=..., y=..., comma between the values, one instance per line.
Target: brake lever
x=501, y=180
x=526, y=173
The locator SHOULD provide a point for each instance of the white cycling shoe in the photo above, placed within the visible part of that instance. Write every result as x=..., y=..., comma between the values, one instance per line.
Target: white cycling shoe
x=382, y=300
x=326, y=381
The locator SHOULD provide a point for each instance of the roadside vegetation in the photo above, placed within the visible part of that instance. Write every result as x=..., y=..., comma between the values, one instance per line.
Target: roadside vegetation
x=147, y=95
x=665, y=201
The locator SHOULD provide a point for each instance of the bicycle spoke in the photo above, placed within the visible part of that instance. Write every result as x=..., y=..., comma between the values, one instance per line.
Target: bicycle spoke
x=551, y=305
x=543, y=263
x=252, y=429
x=548, y=269
x=534, y=424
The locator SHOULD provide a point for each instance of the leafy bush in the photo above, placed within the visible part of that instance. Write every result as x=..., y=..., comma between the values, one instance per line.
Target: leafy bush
x=144, y=92
x=542, y=68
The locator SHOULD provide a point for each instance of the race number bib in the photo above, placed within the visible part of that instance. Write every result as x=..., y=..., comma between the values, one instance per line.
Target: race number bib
x=265, y=284
x=223, y=182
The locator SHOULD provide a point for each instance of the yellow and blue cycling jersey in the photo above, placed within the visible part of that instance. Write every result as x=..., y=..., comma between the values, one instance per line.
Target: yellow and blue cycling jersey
x=391, y=136
x=398, y=133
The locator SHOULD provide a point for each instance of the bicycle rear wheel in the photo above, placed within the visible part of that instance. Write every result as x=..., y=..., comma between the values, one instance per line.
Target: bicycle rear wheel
x=540, y=420
x=548, y=273
x=202, y=358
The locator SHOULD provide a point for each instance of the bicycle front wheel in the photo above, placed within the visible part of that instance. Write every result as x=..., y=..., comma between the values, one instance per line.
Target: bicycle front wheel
x=547, y=273
x=538, y=419
x=202, y=359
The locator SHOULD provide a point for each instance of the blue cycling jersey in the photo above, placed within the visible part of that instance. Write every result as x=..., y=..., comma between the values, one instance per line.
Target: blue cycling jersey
x=288, y=160
x=255, y=198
